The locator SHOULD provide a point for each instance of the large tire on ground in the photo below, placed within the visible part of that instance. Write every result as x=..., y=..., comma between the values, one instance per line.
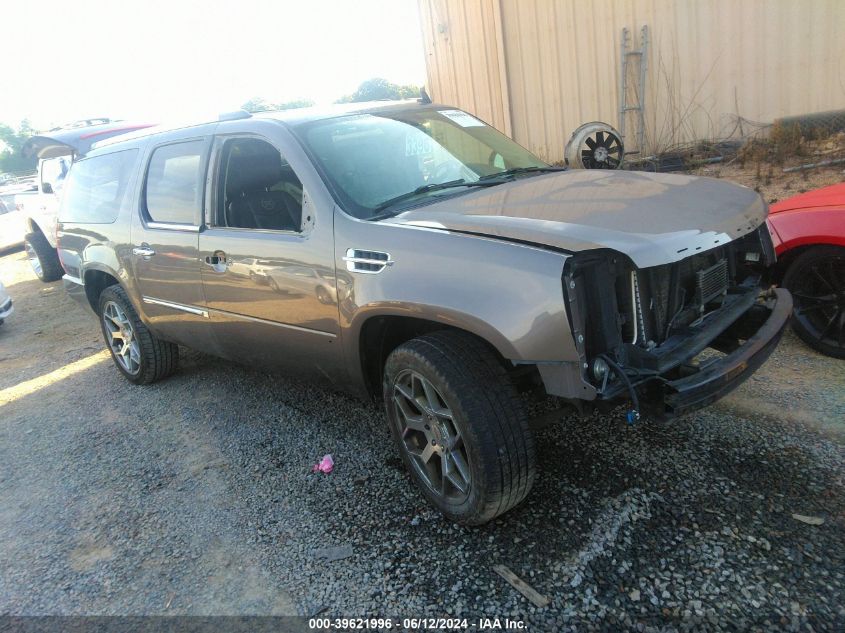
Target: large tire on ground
x=141, y=357
x=816, y=280
x=42, y=257
x=460, y=425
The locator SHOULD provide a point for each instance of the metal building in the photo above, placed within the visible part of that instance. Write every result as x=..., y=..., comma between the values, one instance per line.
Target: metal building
x=537, y=69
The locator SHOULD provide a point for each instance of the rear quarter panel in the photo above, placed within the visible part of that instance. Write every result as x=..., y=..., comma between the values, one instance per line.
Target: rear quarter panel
x=104, y=247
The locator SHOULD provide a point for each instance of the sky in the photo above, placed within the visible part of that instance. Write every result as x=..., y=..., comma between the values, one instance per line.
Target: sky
x=158, y=61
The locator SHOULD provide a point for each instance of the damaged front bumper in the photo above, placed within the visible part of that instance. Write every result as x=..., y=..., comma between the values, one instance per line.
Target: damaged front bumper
x=761, y=328
x=693, y=368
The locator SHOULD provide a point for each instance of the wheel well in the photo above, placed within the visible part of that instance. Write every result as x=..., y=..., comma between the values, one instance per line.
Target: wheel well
x=785, y=261
x=32, y=226
x=95, y=282
x=382, y=334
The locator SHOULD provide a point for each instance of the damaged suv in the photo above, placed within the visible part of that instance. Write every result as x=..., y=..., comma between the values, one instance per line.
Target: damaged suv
x=411, y=253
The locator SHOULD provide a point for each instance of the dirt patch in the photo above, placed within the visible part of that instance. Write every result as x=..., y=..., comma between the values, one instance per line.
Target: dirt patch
x=760, y=166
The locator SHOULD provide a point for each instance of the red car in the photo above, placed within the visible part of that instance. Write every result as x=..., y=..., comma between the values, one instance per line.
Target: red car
x=808, y=231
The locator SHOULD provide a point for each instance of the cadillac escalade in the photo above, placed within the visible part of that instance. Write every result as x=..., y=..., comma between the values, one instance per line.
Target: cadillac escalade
x=411, y=253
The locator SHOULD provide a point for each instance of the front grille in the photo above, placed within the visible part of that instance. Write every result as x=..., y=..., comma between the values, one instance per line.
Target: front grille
x=711, y=282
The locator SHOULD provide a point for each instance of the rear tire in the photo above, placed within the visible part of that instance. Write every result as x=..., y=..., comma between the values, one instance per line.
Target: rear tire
x=816, y=280
x=141, y=357
x=460, y=426
x=42, y=257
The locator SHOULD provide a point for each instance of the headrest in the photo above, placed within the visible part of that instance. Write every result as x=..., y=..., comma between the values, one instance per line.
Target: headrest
x=254, y=172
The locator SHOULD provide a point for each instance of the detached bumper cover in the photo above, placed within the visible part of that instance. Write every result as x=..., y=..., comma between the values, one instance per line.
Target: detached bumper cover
x=723, y=376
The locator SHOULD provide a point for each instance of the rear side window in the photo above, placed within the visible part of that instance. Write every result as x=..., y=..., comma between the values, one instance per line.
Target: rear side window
x=97, y=187
x=175, y=180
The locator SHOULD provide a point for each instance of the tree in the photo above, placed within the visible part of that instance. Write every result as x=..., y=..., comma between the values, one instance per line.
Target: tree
x=378, y=88
x=11, y=142
x=257, y=104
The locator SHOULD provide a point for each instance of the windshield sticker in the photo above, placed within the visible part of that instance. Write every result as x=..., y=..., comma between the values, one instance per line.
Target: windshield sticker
x=461, y=118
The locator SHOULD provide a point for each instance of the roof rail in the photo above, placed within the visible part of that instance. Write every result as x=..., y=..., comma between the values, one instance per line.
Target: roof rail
x=234, y=116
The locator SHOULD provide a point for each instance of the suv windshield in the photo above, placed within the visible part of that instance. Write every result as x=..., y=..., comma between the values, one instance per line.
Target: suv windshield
x=379, y=161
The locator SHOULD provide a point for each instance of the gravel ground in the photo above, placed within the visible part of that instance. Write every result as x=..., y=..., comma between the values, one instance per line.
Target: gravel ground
x=195, y=496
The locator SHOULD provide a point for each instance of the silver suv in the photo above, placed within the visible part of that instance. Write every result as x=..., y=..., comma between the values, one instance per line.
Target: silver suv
x=411, y=253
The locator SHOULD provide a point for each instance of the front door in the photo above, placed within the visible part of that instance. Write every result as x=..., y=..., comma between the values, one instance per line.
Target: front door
x=268, y=264
x=165, y=241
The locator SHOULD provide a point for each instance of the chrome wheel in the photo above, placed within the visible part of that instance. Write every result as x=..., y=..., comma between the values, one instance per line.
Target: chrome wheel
x=34, y=261
x=431, y=437
x=121, y=337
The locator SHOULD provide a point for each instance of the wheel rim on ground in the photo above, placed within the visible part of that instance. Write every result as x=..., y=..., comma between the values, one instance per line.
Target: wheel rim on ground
x=819, y=300
x=430, y=437
x=121, y=337
x=33, y=258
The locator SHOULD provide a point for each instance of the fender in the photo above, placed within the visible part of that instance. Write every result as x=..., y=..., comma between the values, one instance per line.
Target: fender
x=437, y=314
x=818, y=225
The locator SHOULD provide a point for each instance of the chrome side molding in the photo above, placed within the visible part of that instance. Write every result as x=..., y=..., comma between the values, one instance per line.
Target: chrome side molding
x=176, y=306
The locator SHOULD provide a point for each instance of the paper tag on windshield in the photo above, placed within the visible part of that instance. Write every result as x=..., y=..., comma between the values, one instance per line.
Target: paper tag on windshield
x=461, y=118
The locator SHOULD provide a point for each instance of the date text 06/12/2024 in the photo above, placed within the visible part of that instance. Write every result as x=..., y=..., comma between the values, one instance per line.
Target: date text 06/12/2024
x=416, y=624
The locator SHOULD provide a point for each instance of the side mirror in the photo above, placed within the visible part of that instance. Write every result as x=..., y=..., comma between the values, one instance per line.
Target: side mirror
x=46, y=187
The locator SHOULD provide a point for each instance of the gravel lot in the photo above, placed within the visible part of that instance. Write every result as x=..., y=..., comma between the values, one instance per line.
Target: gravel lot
x=195, y=496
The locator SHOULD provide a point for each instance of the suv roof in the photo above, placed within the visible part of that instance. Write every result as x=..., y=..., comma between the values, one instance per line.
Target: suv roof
x=294, y=116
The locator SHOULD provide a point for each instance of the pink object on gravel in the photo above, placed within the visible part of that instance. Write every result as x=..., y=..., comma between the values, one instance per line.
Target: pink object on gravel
x=325, y=465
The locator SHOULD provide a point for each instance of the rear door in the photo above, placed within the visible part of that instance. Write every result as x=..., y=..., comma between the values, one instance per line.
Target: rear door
x=261, y=226
x=165, y=236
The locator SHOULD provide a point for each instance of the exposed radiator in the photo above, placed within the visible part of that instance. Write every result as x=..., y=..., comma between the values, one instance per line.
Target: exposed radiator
x=711, y=282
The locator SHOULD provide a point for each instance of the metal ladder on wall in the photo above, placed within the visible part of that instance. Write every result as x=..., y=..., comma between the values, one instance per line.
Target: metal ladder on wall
x=638, y=107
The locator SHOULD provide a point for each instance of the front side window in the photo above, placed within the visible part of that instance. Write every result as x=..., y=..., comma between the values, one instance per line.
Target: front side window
x=97, y=188
x=371, y=159
x=257, y=188
x=175, y=180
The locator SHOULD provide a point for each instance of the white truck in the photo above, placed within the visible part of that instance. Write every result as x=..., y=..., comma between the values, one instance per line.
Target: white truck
x=56, y=150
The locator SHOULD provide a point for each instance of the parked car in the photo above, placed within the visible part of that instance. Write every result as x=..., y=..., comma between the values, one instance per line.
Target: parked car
x=808, y=231
x=12, y=223
x=251, y=267
x=56, y=151
x=471, y=270
x=301, y=280
x=6, y=307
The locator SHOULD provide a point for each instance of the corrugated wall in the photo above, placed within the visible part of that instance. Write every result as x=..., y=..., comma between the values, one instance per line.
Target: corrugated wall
x=537, y=69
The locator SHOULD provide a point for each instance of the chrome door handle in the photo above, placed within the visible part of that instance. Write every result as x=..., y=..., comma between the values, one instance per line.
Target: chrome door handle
x=143, y=251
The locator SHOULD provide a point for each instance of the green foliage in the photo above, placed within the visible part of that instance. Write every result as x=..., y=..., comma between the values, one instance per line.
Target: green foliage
x=11, y=141
x=377, y=88
x=257, y=104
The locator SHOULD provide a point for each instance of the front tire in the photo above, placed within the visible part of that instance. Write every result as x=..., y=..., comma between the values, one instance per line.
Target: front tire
x=816, y=280
x=460, y=426
x=141, y=357
x=42, y=257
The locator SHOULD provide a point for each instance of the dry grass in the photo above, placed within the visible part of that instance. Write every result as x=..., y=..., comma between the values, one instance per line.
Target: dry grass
x=759, y=164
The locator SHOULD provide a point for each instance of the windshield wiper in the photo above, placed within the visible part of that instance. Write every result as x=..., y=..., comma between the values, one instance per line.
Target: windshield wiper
x=521, y=170
x=435, y=186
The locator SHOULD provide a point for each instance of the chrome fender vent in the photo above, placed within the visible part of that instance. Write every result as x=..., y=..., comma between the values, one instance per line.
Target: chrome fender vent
x=368, y=262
